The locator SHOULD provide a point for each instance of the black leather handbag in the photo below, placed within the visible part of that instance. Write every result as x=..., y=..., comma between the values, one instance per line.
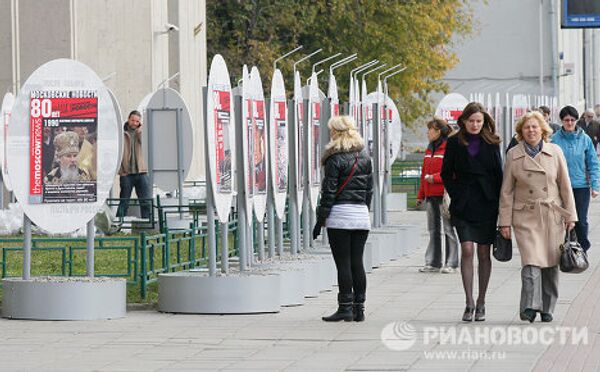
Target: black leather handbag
x=502, y=248
x=573, y=258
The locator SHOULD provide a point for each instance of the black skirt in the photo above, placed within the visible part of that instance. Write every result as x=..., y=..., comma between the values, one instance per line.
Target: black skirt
x=481, y=232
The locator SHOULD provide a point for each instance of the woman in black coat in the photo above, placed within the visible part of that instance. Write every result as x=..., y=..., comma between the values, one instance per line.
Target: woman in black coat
x=346, y=194
x=472, y=174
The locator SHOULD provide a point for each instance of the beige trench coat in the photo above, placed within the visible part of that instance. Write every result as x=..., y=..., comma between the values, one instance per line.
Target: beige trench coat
x=536, y=199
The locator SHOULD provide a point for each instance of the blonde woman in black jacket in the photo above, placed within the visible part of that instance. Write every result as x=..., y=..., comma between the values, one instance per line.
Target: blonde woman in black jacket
x=346, y=194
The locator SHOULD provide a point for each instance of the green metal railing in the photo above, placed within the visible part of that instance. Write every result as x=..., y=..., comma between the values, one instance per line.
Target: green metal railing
x=139, y=259
x=406, y=177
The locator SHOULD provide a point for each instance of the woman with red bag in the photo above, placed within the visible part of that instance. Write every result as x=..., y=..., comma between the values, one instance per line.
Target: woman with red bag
x=431, y=191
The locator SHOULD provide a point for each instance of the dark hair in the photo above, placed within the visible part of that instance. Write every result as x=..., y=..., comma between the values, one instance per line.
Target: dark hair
x=544, y=110
x=441, y=125
x=488, y=131
x=134, y=112
x=568, y=111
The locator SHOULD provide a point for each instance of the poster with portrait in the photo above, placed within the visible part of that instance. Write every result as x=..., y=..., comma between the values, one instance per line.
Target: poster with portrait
x=62, y=104
x=278, y=142
x=62, y=138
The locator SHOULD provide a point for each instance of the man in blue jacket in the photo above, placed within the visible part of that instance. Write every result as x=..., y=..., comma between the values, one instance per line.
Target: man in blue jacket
x=584, y=168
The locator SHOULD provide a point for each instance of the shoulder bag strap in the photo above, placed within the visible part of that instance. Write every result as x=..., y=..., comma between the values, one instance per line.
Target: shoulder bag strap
x=349, y=175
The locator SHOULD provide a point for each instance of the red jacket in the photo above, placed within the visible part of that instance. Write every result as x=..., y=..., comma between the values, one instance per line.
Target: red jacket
x=432, y=164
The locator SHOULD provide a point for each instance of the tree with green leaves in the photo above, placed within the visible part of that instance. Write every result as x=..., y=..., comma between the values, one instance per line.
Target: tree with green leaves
x=418, y=33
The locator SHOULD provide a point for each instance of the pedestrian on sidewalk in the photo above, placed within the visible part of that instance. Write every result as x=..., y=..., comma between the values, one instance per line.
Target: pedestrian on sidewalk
x=584, y=168
x=472, y=175
x=431, y=190
x=133, y=172
x=537, y=201
x=590, y=126
x=346, y=193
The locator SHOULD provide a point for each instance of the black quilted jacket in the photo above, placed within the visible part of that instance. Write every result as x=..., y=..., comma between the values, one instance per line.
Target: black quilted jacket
x=359, y=188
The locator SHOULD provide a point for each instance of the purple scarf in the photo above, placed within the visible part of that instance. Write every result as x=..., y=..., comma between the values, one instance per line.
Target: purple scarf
x=474, y=142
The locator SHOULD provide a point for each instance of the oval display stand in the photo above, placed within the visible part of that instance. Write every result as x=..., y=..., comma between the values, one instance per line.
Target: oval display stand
x=198, y=293
x=66, y=95
x=60, y=298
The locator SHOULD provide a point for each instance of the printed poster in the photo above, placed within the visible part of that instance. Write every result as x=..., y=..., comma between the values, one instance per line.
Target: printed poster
x=250, y=147
x=223, y=172
x=316, y=143
x=260, y=148
x=281, y=157
x=63, y=129
x=300, y=160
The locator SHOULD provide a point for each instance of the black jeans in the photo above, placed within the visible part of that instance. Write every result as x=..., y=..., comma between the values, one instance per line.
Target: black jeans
x=142, y=189
x=582, y=204
x=347, y=247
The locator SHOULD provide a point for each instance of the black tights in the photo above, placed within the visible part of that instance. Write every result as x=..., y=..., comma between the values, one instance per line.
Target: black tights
x=484, y=270
x=347, y=247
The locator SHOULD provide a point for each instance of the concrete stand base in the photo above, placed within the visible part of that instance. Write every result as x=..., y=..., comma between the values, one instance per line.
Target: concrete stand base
x=291, y=276
x=199, y=293
x=60, y=298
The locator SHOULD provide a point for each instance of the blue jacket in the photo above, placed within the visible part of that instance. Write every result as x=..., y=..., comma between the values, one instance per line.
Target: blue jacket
x=582, y=160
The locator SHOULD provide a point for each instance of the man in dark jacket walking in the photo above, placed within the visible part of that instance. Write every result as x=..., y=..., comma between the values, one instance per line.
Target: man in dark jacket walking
x=590, y=126
x=133, y=172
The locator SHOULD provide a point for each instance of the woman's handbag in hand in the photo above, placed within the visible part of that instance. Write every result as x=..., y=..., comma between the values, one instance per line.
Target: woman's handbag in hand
x=446, y=205
x=502, y=248
x=573, y=258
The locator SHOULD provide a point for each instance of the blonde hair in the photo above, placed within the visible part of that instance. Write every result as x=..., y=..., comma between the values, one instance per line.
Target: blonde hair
x=546, y=130
x=344, y=136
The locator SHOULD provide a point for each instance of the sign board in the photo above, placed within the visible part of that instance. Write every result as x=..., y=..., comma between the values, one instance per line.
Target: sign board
x=520, y=105
x=220, y=136
x=260, y=145
x=299, y=122
x=278, y=142
x=247, y=141
x=161, y=114
x=351, y=99
x=365, y=112
x=62, y=147
x=450, y=108
x=5, y=112
x=580, y=14
x=314, y=139
x=117, y=107
x=394, y=123
x=332, y=94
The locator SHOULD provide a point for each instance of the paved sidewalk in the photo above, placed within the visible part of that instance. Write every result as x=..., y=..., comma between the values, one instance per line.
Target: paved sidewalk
x=297, y=340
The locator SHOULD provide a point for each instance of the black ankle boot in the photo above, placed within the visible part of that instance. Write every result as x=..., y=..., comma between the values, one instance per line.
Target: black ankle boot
x=358, y=309
x=344, y=311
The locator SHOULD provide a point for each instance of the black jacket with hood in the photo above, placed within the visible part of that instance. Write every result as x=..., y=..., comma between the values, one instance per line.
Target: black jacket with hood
x=337, y=167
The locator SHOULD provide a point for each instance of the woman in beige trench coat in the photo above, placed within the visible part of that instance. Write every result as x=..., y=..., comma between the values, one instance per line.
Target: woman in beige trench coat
x=537, y=201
